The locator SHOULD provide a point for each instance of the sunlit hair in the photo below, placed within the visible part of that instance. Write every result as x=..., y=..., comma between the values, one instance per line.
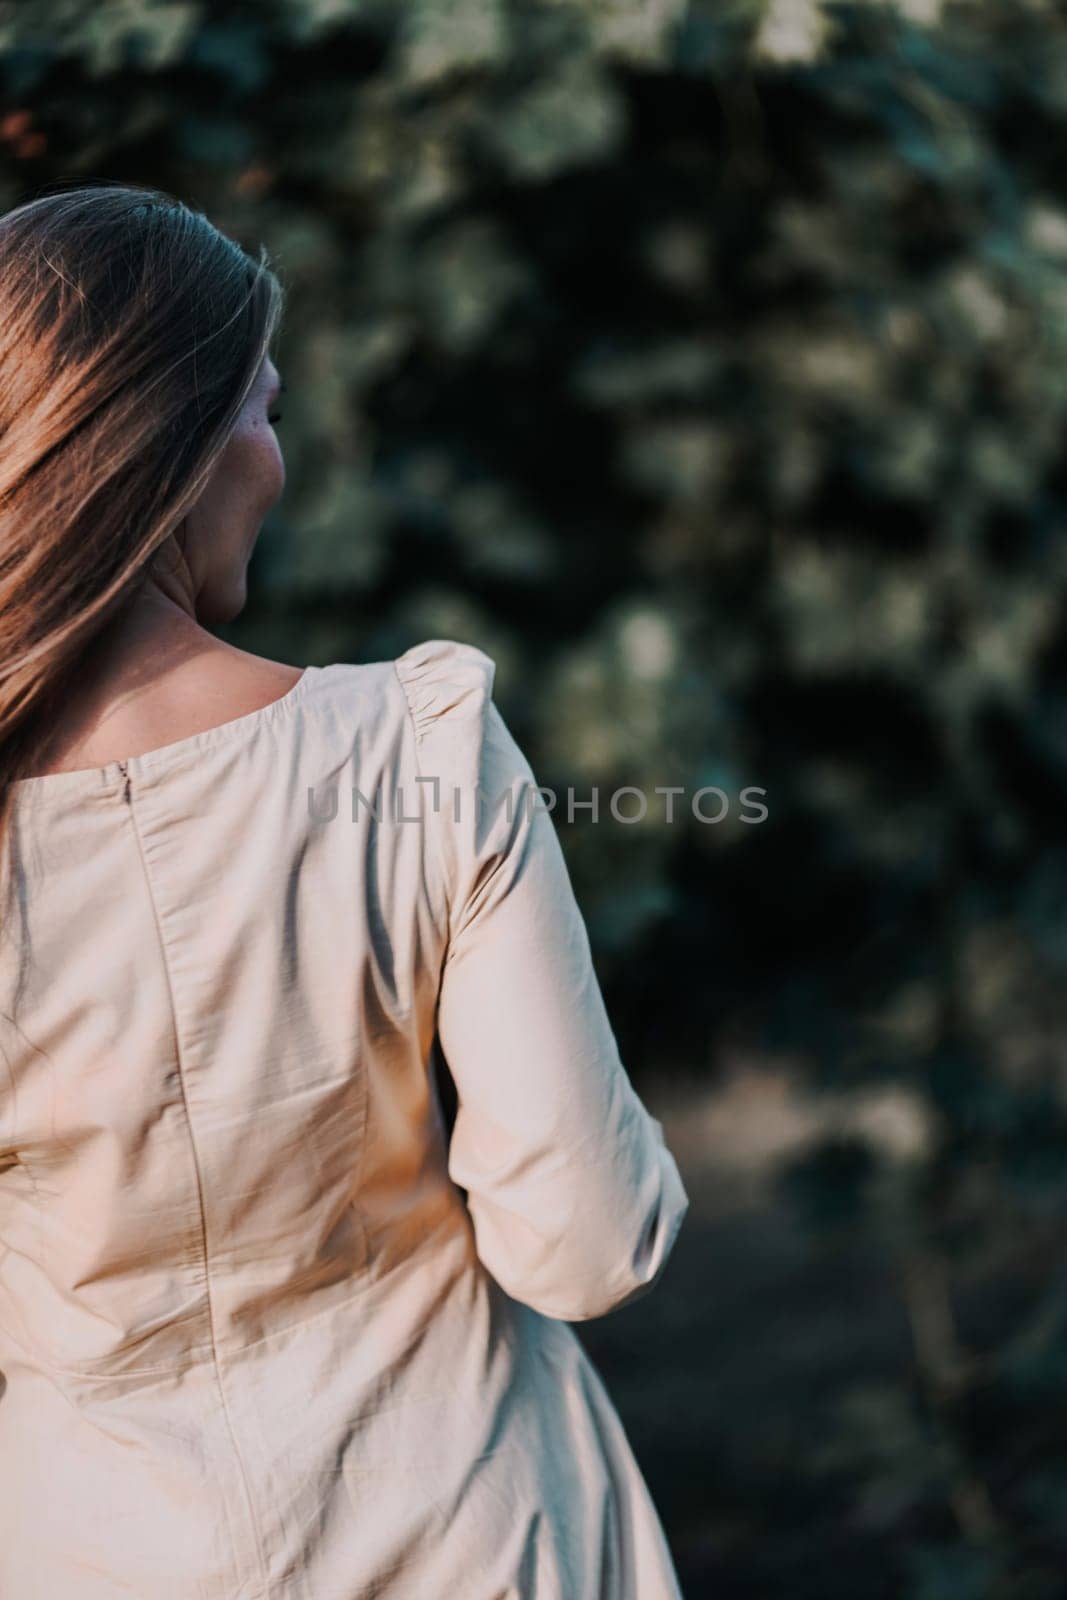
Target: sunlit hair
x=131, y=333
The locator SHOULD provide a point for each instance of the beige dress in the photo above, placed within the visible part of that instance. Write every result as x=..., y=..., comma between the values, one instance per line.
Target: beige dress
x=265, y=1333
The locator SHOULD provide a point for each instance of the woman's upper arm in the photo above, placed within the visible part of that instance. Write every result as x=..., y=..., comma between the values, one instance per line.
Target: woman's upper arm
x=575, y=1199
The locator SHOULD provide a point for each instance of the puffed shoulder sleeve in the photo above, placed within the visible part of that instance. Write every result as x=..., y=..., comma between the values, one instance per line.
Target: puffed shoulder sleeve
x=574, y=1197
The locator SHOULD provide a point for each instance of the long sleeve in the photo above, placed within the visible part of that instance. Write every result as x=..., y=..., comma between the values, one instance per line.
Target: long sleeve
x=574, y=1197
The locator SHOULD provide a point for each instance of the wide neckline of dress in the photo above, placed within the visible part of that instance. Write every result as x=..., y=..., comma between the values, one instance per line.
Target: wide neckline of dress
x=113, y=774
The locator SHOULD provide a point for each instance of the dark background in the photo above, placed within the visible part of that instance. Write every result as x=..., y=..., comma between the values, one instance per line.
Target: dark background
x=704, y=364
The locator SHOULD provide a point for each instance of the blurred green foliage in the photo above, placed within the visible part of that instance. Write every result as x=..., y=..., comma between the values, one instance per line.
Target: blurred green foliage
x=705, y=363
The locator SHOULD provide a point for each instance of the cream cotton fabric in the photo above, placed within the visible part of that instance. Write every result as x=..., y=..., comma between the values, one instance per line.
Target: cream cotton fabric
x=265, y=1334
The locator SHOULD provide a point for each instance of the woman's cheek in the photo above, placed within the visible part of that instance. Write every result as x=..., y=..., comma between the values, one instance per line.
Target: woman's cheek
x=279, y=470
x=258, y=465
x=270, y=466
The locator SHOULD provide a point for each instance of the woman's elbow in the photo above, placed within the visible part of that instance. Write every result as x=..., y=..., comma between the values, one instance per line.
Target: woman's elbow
x=592, y=1270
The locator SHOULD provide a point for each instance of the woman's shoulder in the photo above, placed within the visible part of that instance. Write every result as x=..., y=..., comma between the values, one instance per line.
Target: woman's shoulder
x=144, y=705
x=445, y=682
x=461, y=735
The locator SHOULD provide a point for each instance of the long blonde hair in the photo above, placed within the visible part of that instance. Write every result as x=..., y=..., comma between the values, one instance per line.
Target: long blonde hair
x=131, y=333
